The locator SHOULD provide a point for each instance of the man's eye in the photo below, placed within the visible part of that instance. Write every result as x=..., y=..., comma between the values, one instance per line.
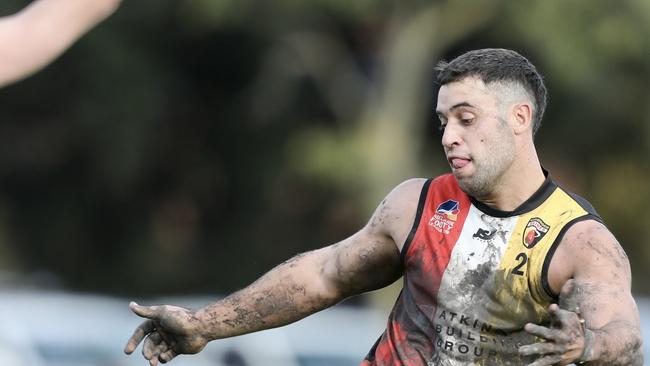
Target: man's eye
x=466, y=121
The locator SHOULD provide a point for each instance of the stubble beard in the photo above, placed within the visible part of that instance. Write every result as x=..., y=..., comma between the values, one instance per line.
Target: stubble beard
x=483, y=182
x=490, y=170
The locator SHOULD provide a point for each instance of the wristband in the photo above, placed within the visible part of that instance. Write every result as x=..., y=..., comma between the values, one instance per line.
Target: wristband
x=589, y=345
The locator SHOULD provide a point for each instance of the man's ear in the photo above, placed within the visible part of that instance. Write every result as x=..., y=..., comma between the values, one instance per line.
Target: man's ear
x=523, y=117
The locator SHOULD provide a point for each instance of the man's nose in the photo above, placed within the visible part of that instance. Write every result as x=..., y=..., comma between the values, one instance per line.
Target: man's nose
x=450, y=136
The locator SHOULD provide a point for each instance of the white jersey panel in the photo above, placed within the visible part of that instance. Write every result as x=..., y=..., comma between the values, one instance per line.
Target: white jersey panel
x=467, y=286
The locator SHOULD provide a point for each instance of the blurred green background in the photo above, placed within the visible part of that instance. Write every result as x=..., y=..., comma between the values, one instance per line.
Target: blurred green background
x=188, y=146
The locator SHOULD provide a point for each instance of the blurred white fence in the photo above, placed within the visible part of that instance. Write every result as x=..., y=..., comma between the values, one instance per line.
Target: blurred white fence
x=41, y=328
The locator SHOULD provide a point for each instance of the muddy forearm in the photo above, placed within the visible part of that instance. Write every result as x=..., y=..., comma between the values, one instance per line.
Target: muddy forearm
x=618, y=343
x=304, y=285
x=282, y=296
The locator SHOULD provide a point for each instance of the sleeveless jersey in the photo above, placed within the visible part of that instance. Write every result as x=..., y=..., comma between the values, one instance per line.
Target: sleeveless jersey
x=474, y=276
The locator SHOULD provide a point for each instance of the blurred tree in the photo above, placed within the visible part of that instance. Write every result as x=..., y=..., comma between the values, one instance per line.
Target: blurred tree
x=190, y=145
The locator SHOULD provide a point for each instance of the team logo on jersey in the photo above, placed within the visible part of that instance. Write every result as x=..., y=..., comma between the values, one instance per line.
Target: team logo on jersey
x=485, y=235
x=445, y=217
x=534, y=232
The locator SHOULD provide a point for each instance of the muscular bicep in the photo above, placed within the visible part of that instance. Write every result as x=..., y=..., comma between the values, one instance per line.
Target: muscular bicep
x=602, y=271
x=370, y=259
x=363, y=262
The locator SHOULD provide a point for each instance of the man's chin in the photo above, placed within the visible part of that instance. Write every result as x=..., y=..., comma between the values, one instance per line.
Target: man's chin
x=469, y=185
x=463, y=181
x=461, y=174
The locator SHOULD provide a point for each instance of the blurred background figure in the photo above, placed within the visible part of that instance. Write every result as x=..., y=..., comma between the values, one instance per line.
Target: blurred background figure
x=33, y=37
x=186, y=127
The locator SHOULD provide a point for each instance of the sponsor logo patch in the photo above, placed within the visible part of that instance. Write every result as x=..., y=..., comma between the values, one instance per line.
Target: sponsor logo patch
x=445, y=217
x=534, y=232
x=484, y=235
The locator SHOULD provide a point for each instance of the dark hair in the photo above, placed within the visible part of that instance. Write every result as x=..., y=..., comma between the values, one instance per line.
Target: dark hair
x=495, y=65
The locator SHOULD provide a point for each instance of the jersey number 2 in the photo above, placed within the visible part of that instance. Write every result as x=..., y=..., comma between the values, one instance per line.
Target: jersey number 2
x=523, y=259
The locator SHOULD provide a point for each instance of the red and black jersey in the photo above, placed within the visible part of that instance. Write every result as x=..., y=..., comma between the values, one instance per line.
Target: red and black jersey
x=474, y=276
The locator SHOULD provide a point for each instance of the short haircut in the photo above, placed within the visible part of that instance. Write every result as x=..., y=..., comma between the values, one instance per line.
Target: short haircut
x=498, y=66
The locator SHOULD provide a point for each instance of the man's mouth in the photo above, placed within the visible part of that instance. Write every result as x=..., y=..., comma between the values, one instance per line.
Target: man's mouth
x=458, y=163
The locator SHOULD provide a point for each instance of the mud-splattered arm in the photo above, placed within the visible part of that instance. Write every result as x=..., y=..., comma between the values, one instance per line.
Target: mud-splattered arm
x=593, y=261
x=307, y=283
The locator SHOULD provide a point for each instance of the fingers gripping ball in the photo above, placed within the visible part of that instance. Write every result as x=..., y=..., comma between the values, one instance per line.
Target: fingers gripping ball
x=565, y=339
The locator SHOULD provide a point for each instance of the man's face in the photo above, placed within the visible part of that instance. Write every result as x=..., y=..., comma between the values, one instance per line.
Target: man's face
x=477, y=138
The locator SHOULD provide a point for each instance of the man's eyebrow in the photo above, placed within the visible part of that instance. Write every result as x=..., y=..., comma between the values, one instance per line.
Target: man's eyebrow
x=456, y=106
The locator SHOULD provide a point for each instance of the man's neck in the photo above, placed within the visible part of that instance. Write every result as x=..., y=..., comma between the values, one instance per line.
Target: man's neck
x=515, y=189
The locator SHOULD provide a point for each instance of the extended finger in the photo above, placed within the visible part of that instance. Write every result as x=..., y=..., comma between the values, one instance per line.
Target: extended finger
x=151, y=312
x=547, y=360
x=141, y=331
x=541, y=331
x=543, y=348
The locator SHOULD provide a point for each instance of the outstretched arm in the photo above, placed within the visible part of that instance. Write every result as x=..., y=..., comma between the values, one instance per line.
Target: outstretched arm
x=38, y=34
x=598, y=294
x=305, y=284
